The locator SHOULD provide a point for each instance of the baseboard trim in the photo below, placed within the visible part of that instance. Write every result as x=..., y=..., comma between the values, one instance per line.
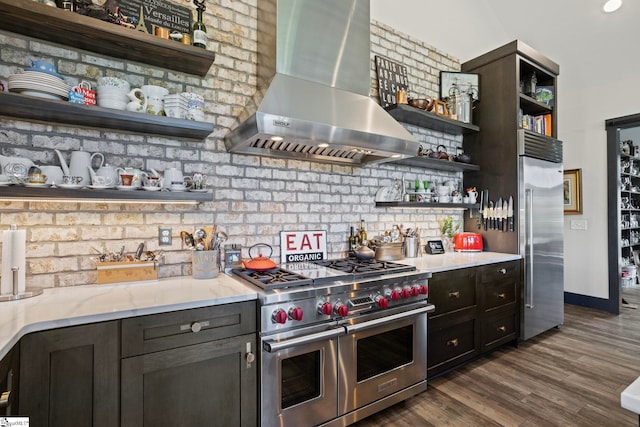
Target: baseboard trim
x=590, y=302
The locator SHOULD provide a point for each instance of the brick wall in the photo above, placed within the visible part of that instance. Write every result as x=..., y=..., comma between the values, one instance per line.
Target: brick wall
x=254, y=197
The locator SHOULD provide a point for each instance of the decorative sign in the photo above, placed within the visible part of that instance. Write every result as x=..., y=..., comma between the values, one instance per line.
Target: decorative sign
x=434, y=247
x=392, y=77
x=299, y=246
x=155, y=13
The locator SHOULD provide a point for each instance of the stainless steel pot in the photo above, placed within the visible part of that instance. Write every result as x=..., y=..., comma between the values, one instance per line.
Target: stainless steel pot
x=388, y=251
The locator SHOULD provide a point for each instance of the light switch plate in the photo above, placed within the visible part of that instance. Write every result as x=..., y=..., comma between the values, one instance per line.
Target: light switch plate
x=578, y=224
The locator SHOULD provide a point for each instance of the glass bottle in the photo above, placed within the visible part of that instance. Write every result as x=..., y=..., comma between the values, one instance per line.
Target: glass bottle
x=199, y=29
x=363, y=233
x=353, y=242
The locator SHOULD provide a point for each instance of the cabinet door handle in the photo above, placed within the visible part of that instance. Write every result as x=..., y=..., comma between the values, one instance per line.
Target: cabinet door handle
x=502, y=271
x=452, y=343
x=455, y=294
x=502, y=329
x=501, y=296
x=195, y=326
x=250, y=357
x=4, y=399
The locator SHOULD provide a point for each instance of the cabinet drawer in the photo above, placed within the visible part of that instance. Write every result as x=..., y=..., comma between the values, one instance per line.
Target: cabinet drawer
x=452, y=290
x=499, y=329
x=499, y=294
x=499, y=272
x=146, y=334
x=451, y=345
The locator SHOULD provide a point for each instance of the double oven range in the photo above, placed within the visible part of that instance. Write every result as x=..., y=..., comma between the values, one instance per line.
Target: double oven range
x=341, y=339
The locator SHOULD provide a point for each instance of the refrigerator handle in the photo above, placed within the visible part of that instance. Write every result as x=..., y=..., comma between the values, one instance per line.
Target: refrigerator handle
x=529, y=243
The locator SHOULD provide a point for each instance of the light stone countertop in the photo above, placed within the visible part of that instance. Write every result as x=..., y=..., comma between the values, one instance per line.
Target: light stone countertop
x=77, y=305
x=456, y=260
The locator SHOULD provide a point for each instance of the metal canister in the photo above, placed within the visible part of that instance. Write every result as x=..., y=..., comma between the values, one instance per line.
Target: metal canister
x=186, y=38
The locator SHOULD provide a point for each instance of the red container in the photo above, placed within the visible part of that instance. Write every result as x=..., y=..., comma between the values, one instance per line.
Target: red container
x=467, y=242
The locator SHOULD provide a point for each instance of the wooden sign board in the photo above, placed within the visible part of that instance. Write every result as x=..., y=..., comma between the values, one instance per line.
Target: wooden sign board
x=155, y=13
x=392, y=77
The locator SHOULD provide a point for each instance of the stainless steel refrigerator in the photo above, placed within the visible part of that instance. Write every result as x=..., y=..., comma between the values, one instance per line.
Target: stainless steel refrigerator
x=540, y=220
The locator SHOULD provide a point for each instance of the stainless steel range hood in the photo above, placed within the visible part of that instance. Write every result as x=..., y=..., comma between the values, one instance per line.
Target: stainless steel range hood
x=312, y=100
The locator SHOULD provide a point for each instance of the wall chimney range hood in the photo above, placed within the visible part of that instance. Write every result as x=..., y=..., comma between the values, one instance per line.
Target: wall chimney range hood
x=312, y=100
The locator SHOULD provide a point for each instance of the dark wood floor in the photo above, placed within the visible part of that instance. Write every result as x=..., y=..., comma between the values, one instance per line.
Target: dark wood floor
x=568, y=376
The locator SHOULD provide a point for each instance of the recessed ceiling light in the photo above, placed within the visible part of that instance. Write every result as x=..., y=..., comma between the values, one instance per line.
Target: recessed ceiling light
x=323, y=145
x=612, y=5
x=277, y=138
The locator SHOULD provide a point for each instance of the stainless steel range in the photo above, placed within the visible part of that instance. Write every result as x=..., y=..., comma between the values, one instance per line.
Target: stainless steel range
x=341, y=339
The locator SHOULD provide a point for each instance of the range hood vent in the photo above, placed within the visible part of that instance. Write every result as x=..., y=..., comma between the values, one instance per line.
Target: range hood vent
x=312, y=100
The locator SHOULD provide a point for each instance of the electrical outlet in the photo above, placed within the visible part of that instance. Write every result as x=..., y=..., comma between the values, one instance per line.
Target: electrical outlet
x=164, y=236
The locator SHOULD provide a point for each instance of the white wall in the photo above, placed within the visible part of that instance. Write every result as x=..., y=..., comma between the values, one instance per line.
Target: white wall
x=598, y=80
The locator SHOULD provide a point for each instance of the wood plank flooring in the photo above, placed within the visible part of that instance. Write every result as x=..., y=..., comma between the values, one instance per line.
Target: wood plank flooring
x=569, y=376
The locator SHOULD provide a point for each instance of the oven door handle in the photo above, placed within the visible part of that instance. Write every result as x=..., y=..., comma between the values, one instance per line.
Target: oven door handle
x=274, y=346
x=383, y=320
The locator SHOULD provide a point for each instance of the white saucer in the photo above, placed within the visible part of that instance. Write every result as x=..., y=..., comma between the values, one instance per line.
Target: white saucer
x=203, y=190
x=35, y=185
x=5, y=183
x=178, y=190
x=151, y=188
x=126, y=187
x=69, y=185
x=100, y=187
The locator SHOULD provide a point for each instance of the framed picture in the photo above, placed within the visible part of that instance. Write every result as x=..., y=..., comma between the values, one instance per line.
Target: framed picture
x=572, y=192
x=467, y=82
x=439, y=107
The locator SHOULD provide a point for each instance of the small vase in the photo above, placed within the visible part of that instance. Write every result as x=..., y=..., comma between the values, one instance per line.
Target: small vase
x=447, y=243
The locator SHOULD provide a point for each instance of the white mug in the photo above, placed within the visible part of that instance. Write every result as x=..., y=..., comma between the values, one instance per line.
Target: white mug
x=171, y=176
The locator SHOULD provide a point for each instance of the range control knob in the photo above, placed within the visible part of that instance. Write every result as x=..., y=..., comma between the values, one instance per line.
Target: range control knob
x=394, y=294
x=325, y=308
x=341, y=309
x=279, y=316
x=424, y=289
x=381, y=301
x=404, y=293
x=415, y=291
x=296, y=313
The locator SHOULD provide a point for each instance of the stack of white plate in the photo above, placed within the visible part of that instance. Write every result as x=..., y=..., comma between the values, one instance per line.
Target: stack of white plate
x=176, y=106
x=39, y=84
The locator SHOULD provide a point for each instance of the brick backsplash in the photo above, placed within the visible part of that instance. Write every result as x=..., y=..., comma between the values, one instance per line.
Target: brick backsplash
x=254, y=197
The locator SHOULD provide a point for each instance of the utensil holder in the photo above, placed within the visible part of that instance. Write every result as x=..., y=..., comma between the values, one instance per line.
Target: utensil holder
x=204, y=264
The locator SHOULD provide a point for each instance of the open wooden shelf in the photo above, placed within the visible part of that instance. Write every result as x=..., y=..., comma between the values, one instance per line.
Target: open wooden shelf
x=48, y=23
x=18, y=191
x=430, y=205
x=425, y=119
x=429, y=163
x=45, y=110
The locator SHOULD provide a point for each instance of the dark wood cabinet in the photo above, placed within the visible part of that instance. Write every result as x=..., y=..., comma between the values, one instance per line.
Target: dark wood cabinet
x=9, y=381
x=192, y=367
x=70, y=376
x=477, y=310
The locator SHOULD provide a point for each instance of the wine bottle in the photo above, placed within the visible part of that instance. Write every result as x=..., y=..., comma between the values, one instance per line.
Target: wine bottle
x=199, y=29
x=353, y=242
x=363, y=233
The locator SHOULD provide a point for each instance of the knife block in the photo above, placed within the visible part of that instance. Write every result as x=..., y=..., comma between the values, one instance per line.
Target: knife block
x=126, y=271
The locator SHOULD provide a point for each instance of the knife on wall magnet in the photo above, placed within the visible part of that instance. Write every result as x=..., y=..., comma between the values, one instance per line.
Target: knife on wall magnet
x=499, y=214
x=492, y=212
x=485, y=209
x=480, y=212
x=505, y=215
x=510, y=214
